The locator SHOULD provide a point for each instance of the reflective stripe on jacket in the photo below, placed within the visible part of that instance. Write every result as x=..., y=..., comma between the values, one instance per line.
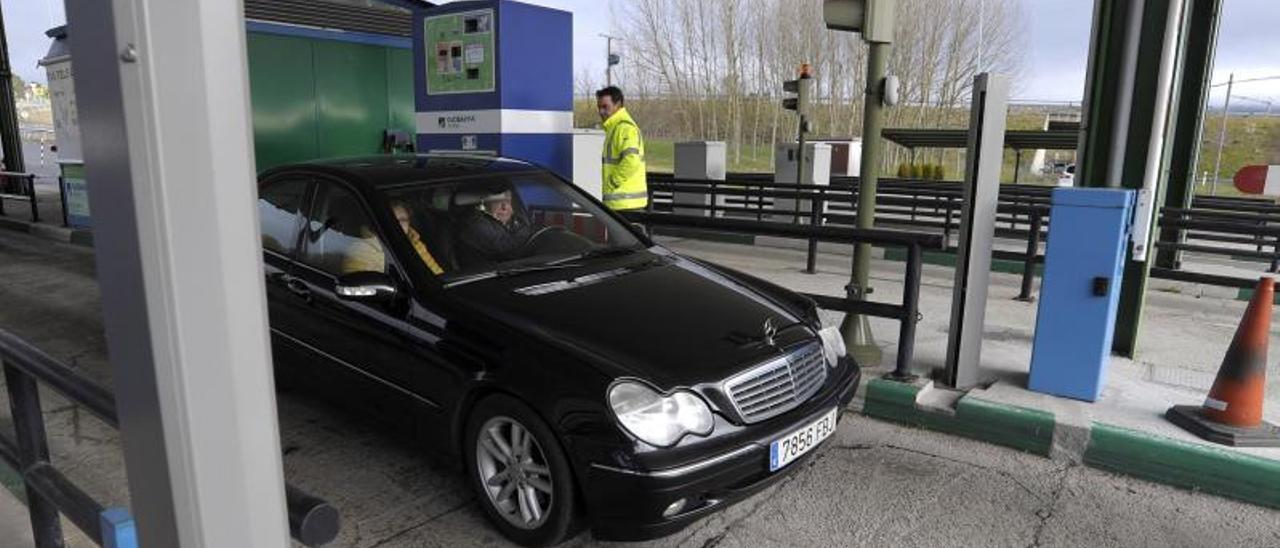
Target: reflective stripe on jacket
x=623, y=163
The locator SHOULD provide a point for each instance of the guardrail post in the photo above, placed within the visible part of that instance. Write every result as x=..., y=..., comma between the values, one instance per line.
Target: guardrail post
x=816, y=206
x=35, y=209
x=62, y=194
x=910, y=315
x=760, y=202
x=1029, y=260
x=1275, y=256
x=715, y=197
x=946, y=226
x=33, y=448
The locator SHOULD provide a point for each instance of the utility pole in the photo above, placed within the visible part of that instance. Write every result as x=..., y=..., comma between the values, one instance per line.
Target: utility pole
x=856, y=328
x=874, y=19
x=610, y=58
x=1222, y=134
x=12, y=142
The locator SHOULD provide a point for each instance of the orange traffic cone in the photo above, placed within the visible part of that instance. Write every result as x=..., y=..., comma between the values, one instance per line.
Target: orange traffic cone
x=1232, y=414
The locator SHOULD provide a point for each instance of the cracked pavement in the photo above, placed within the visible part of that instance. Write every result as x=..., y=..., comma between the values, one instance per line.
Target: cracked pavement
x=873, y=484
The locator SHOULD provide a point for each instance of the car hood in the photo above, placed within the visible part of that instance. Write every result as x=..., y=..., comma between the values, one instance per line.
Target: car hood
x=656, y=316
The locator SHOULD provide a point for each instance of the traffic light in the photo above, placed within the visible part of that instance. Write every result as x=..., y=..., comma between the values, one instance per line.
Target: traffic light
x=873, y=18
x=803, y=88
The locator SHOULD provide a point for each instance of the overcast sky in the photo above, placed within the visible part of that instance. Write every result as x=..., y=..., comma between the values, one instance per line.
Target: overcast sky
x=1249, y=44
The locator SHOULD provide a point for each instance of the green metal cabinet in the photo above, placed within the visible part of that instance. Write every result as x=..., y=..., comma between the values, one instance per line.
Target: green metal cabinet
x=317, y=98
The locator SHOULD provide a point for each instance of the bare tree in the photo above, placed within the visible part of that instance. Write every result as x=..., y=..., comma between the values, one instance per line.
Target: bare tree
x=713, y=69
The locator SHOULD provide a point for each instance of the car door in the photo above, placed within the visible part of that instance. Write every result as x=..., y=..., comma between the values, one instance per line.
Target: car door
x=282, y=206
x=377, y=354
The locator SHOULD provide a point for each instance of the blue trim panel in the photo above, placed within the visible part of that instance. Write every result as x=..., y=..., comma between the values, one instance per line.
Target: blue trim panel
x=553, y=151
x=118, y=530
x=329, y=34
x=536, y=49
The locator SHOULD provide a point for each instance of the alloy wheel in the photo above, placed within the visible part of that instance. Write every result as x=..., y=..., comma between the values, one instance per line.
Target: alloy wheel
x=514, y=472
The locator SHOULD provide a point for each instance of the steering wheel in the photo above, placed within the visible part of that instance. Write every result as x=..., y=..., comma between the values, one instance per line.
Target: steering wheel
x=555, y=239
x=542, y=233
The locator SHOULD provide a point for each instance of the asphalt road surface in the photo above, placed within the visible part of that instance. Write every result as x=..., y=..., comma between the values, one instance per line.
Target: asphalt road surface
x=873, y=484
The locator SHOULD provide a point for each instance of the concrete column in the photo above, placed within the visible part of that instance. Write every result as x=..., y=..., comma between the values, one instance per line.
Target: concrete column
x=164, y=112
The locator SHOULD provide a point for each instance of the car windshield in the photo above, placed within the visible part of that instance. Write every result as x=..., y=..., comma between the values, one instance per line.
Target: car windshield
x=484, y=226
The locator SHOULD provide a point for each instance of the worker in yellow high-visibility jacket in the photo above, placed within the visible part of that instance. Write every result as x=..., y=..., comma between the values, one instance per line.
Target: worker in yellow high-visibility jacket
x=623, y=159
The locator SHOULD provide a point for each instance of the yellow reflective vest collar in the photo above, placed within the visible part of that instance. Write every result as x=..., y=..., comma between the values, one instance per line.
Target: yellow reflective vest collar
x=622, y=163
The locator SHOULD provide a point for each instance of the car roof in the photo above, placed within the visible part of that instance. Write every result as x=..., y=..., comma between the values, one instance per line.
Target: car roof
x=390, y=170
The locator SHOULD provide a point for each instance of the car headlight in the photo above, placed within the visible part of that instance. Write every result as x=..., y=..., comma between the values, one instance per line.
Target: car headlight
x=832, y=345
x=658, y=419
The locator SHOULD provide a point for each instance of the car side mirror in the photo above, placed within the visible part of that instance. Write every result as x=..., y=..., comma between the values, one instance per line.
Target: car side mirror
x=365, y=286
x=642, y=229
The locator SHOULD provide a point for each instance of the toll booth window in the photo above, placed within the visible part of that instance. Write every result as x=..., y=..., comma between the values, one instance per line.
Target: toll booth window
x=340, y=236
x=279, y=207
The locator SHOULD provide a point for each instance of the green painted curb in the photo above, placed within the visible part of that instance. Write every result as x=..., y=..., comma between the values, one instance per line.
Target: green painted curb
x=1020, y=428
x=892, y=401
x=1189, y=465
x=945, y=258
x=1246, y=294
x=1150, y=457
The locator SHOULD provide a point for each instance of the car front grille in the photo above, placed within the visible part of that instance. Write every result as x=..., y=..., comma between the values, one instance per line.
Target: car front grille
x=779, y=385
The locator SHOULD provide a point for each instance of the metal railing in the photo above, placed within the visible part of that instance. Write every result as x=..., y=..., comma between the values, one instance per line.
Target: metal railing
x=907, y=313
x=19, y=186
x=1026, y=214
x=312, y=521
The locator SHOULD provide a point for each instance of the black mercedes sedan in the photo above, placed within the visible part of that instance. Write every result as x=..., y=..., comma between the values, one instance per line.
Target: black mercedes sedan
x=579, y=372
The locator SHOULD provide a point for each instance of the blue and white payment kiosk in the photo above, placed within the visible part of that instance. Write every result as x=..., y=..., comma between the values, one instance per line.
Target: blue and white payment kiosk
x=495, y=77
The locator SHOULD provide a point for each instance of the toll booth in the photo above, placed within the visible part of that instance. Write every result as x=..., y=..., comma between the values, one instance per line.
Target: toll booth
x=66, y=130
x=495, y=77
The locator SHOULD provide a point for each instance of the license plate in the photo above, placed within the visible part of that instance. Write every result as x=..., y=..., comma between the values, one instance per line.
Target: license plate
x=792, y=446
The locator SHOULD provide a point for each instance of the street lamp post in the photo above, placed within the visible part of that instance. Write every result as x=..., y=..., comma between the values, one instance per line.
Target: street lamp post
x=1222, y=135
x=610, y=58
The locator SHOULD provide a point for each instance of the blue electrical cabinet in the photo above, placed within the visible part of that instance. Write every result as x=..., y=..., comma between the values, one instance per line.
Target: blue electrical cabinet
x=1084, y=263
x=495, y=77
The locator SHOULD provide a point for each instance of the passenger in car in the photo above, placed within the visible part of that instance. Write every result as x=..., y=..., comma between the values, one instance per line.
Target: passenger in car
x=496, y=232
x=404, y=216
x=364, y=253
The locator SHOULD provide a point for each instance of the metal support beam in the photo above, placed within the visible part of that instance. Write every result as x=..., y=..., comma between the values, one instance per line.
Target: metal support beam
x=164, y=114
x=1201, y=30
x=10, y=140
x=1134, y=54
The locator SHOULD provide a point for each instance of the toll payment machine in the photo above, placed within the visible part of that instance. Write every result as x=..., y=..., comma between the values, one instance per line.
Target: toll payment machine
x=1084, y=262
x=495, y=77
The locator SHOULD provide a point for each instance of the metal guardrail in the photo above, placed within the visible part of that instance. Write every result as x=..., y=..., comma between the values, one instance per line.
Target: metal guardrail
x=312, y=521
x=916, y=208
x=1210, y=226
x=907, y=313
x=20, y=191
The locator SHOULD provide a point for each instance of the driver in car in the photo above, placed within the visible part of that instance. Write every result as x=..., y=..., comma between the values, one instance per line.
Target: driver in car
x=497, y=233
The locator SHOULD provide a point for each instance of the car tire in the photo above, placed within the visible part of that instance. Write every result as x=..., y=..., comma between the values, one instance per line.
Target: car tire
x=507, y=493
